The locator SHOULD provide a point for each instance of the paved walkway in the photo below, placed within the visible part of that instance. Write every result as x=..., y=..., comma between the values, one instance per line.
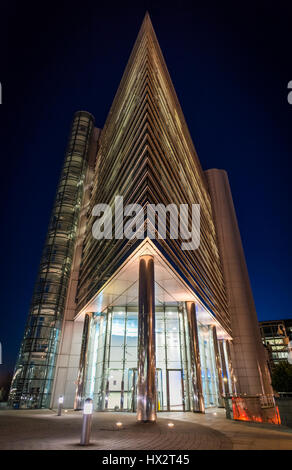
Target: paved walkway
x=43, y=429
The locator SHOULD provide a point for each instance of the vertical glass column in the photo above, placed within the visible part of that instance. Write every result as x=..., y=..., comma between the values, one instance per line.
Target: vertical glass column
x=198, y=399
x=35, y=368
x=146, y=386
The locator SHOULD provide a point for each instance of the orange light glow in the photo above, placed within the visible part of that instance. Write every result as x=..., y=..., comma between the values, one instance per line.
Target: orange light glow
x=241, y=413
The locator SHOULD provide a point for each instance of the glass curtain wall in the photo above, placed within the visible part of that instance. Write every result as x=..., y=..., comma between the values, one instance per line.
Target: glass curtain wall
x=111, y=369
x=208, y=366
x=111, y=372
x=172, y=359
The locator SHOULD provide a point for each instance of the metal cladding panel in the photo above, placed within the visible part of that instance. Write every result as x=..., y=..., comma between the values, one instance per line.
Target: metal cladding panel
x=147, y=156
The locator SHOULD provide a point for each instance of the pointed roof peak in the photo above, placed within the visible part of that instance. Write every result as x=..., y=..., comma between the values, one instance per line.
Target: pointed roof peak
x=147, y=17
x=147, y=23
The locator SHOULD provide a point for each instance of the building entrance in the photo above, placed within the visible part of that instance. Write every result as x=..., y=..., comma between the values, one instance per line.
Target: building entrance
x=122, y=395
x=175, y=390
x=112, y=359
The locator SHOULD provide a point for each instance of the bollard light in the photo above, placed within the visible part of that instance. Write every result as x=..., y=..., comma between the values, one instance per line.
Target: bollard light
x=60, y=404
x=86, y=422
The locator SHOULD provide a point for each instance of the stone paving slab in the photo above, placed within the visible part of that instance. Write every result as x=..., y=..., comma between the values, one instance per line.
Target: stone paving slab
x=253, y=436
x=44, y=430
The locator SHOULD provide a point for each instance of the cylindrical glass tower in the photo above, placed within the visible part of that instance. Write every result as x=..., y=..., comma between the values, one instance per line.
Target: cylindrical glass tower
x=34, y=372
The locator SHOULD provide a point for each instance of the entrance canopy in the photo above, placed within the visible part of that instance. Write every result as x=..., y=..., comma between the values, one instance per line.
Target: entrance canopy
x=170, y=288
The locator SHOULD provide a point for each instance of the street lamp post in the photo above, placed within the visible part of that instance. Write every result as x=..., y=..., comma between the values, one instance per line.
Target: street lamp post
x=60, y=405
x=86, y=422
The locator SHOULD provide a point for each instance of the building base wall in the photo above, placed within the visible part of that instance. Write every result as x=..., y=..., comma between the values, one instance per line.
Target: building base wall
x=67, y=365
x=254, y=410
x=248, y=354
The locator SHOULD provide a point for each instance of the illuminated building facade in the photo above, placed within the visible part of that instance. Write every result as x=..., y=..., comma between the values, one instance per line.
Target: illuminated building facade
x=276, y=335
x=141, y=325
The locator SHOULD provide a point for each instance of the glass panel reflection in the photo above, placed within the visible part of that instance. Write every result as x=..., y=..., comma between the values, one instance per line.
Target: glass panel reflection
x=111, y=369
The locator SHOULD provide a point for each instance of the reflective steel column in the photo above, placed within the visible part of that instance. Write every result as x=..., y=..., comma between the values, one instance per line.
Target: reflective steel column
x=198, y=399
x=146, y=386
x=224, y=368
x=233, y=378
x=104, y=395
x=218, y=366
x=82, y=362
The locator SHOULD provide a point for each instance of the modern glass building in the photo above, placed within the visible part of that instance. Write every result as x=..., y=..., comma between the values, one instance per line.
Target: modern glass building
x=138, y=323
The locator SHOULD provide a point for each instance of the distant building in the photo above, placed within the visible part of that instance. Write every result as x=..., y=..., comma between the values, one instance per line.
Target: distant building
x=276, y=335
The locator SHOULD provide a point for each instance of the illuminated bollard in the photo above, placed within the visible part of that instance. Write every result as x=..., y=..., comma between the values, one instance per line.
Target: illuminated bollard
x=86, y=423
x=60, y=405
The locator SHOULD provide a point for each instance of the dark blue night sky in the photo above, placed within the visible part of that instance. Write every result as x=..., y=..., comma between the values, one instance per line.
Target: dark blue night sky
x=230, y=64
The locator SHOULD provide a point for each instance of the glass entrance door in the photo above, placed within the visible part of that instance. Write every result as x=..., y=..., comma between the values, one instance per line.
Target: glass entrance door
x=173, y=395
x=175, y=390
x=114, y=389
